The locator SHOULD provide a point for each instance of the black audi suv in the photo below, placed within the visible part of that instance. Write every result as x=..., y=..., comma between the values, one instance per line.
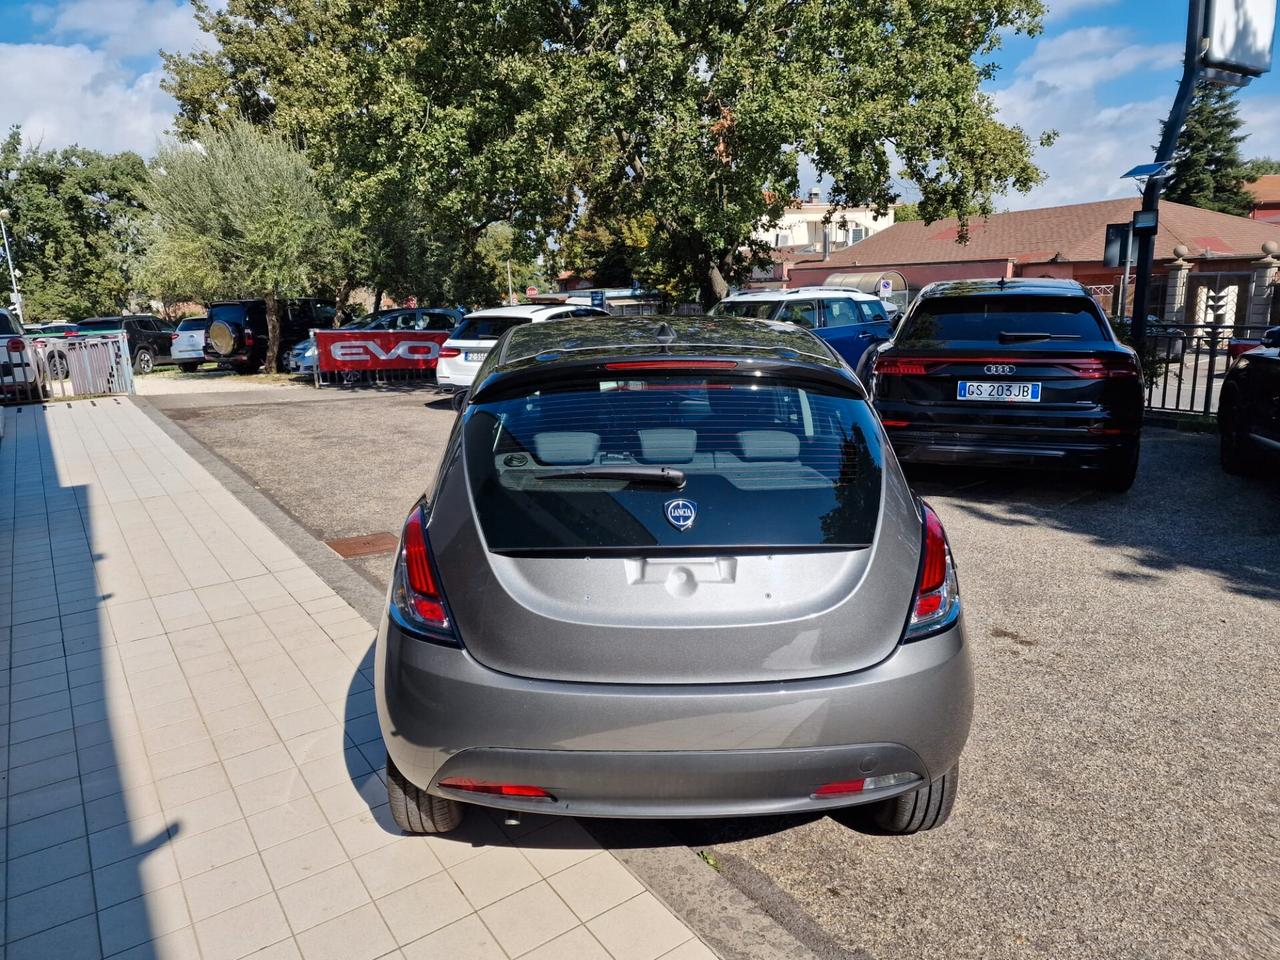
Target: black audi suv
x=1018, y=371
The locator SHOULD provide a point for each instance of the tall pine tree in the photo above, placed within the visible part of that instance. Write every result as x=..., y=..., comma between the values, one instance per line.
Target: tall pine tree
x=1208, y=170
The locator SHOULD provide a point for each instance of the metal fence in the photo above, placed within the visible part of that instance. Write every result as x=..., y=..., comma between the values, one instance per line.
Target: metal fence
x=35, y=369
x=1191, y=361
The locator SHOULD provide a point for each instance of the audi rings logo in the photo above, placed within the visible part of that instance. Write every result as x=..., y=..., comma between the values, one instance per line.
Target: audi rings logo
x=1003, y=369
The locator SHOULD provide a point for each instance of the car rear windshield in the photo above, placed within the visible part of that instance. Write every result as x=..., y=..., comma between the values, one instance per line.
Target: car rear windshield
x=765, y=465
x=8, y=325
x=751, y=309
x=486, y=328
x=194, y=323
x=105, y=324
x=229, y=312
x=977, y=319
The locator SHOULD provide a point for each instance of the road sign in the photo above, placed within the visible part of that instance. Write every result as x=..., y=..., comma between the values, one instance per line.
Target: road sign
x=886, y=288
x=530, y=291
x=597, y=298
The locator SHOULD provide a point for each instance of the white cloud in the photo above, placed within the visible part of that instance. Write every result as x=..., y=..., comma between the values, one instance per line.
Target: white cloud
x=125, y=28
x=1261, y=115
x=1062, y=9
x=71, y=94
x=1055, y=87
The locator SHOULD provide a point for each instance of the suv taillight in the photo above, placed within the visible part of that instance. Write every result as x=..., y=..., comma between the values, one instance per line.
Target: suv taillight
x=1094, y=369
x=890, y=366
x=416, y=589
x=936, y=604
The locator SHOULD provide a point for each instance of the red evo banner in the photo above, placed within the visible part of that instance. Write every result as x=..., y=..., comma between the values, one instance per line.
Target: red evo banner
x=378, y=349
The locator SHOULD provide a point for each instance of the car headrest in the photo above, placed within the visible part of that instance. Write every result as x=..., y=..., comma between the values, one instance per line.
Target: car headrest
x=672, y=445
x=768, y=445
x=568, y=447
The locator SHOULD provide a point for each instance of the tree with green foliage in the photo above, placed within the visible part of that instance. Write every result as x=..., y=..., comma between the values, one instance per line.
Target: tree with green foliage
x=246, y=199
x=73, y=223
x=906, y=212
x=1261, y=167
x=696, y=115
x=1208, y=171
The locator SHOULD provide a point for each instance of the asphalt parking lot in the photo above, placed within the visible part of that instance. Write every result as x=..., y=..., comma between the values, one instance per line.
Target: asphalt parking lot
x=1120, y=791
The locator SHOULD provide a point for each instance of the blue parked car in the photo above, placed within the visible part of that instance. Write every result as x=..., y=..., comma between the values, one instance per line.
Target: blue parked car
x=850, y=320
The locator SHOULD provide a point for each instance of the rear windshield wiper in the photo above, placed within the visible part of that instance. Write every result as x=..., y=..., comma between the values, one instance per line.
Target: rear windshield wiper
x=1027, y=336
x=640, y=473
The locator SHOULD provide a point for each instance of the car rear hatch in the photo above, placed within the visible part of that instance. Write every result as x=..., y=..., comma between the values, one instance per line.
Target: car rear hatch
x=1007, y=363
x=774, y=546
x=475, y=337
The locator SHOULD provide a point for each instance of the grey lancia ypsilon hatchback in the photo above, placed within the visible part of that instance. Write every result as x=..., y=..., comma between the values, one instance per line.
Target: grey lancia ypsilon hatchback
x=670, y=568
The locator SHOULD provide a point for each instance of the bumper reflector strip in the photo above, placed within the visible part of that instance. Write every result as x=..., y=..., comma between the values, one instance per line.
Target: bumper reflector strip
x=841, y=788
x=523, y=790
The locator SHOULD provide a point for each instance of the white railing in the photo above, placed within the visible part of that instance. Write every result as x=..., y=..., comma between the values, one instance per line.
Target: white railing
x=34, y=369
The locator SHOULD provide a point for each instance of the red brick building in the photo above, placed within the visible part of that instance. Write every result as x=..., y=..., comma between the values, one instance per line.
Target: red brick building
x=1065, y=242
x=1266, y=198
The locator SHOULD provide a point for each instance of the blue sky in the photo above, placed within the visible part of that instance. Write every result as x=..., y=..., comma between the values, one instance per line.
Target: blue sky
x=1102, y=74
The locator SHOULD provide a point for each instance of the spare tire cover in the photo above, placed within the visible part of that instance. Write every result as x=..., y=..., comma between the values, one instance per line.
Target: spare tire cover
x=224, y=336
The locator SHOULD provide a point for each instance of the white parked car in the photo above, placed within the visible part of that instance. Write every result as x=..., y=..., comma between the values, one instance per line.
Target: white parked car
x=188, y=342
x=20, y=377
x=462, y=354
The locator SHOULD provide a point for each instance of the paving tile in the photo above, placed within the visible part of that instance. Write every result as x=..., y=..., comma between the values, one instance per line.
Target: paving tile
x=494, y=874
x=236, y=743
x=396, y=865
x=595, y=885
x=577, y=944
x=183, y=759
x=30, y=776
x=134, y=877
x=243, y=929
x=39, y=869
x=640, y=929
x=127, y=839
x=467, y=939
x=213, y=848
x=528, y=919
x=192, y=785
x=358, y=935
x=131, y=804
x=303, y=856
x=345, y=800
x=47, y=831
x=414, y=911
x=258, y=764
x=43, y=801
x=42, y=748
x=49, y=906
x=286, y=821
x=370, y=830
x=77, y=940
x=331, y=893
x=144, y=918
x=227, y=886
x=179, y=945
x=206, y=813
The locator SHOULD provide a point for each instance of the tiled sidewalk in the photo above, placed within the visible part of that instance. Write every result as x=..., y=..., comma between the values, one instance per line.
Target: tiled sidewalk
x=193, y=762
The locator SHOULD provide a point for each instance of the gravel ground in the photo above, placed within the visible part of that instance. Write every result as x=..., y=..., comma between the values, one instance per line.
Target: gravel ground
x=1120, y=793
x=166, y=381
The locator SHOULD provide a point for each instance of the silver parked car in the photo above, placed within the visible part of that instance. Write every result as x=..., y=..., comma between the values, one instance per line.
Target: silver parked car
x=670, y=568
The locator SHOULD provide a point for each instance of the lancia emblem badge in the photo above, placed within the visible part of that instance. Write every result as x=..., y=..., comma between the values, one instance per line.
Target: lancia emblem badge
x=681, y=513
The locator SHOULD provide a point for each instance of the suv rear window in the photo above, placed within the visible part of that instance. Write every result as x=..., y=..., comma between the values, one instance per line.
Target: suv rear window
x=230, y=312
x=486, y=328
x=193, y=323
x=751, y=309
x=101, y=325
x=977, y=319
x=766, y=465
x=8, y=325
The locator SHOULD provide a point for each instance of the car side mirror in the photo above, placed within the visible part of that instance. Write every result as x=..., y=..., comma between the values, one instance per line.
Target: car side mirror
x=1271, y=338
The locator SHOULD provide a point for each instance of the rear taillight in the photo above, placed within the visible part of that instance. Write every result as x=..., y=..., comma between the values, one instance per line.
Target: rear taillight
x=936, y=604
x=248, y=337
x=449, y=351
x=416, y=589
x=522, y=790
x=1095, y=369
x=173, y=336
x=16, y=345
x=889, y=366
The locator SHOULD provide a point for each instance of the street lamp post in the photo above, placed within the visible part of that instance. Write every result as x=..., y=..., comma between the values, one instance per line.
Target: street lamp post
x=8, y=258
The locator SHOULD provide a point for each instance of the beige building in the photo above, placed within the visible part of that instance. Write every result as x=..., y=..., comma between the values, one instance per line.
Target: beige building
x=802, y=226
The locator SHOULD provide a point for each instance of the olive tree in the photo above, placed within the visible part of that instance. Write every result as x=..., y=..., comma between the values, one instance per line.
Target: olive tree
x=245, y=199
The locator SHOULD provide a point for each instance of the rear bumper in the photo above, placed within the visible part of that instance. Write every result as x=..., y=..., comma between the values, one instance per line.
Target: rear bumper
x=953, y=446
x=622, y=750
x=188, y=355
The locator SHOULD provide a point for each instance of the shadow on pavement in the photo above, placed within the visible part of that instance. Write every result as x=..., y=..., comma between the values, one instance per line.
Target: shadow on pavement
x=1183, y=513
x=86, y=838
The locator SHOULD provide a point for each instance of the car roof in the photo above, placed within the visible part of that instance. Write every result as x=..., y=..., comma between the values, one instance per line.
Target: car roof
x=796, y=292
x=547, y=351
x=530, y=310
x=1004, y=286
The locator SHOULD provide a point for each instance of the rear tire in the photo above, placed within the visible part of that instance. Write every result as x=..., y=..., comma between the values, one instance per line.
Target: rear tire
x=143, y=361
x=922, y=809
x=416, y=811
x=191, y=367
x=1120, y=470
x=1234, y=451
